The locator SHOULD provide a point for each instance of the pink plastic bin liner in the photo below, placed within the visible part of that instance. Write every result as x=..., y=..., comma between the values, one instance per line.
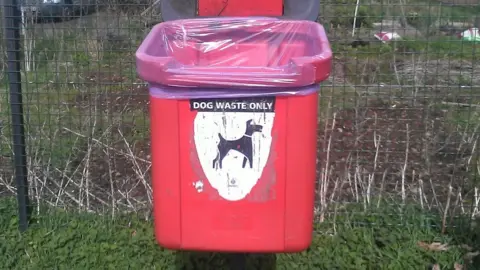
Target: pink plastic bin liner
x=235, y=52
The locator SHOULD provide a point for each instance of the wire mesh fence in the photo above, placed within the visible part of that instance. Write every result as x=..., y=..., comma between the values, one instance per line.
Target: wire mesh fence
x=403, y=115
x=399, y=115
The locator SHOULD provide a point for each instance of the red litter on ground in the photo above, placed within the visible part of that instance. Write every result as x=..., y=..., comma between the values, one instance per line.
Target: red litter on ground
x=387, y=36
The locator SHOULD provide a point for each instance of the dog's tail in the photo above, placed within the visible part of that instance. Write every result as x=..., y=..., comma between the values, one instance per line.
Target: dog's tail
x=221, y=137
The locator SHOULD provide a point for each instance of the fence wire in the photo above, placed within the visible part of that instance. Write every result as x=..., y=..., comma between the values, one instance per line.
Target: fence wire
x=399, y=116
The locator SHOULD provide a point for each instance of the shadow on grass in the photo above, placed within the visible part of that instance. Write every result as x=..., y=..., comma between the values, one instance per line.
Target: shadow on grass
x=209, y=260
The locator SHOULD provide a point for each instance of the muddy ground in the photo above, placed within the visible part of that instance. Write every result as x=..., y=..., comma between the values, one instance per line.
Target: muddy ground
x=389, y=145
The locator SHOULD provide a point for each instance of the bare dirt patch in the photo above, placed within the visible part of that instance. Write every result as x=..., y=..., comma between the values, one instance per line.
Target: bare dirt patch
x=394, y=150
x=442, y=72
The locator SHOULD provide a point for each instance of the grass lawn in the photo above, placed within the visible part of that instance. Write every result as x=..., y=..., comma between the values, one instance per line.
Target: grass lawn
x=386, y=240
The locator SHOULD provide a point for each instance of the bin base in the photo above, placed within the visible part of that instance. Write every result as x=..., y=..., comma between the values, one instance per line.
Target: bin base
x=238, y=261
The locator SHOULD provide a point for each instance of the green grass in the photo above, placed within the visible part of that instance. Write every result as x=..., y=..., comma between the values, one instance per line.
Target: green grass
x=442, y=47
x=457, y=13
x=386, y=240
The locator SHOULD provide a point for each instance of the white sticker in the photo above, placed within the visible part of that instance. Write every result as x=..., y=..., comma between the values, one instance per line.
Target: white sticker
x=233, y=140
x=198, y=185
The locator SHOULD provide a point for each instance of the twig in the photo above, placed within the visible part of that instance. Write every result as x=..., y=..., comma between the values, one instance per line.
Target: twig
x=79, y=202
x=110, y=178
x=420, y=189
x=355, y=18
x=150, y=8
x=325, y=176
x=382, y=185
x=356, y=177
x=138, y=171
x=445, y=212
x=376, y=143
x=435, y=197
x=404, y=171
x=460, y=200
x=476, y=202
x=105, y=145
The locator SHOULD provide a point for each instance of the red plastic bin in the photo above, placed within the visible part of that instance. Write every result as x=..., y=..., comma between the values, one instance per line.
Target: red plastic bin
x=233, y=125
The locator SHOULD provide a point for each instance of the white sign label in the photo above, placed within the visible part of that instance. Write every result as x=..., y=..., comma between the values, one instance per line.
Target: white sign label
x=233, y=140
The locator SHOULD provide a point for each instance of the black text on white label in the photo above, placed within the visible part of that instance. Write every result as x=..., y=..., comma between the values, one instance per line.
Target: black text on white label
x=262, y=104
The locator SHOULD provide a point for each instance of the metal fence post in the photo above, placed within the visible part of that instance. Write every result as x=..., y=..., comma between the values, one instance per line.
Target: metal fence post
x=12, y=23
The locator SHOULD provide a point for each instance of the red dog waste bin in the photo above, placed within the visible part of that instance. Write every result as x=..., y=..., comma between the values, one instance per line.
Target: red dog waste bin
x=233, y=128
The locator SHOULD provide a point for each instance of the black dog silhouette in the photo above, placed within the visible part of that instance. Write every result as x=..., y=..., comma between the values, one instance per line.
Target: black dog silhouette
x=242, y=145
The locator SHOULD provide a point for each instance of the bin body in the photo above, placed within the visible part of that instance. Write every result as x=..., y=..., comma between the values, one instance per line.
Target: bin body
x=264, y=208
x=233, y=107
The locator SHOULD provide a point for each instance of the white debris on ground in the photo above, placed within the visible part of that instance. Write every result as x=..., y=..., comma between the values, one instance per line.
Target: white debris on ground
x=471, y=34
x=401, y=29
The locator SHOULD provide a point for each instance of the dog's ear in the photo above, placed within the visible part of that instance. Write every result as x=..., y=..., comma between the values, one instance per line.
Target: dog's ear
x=249, y=121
